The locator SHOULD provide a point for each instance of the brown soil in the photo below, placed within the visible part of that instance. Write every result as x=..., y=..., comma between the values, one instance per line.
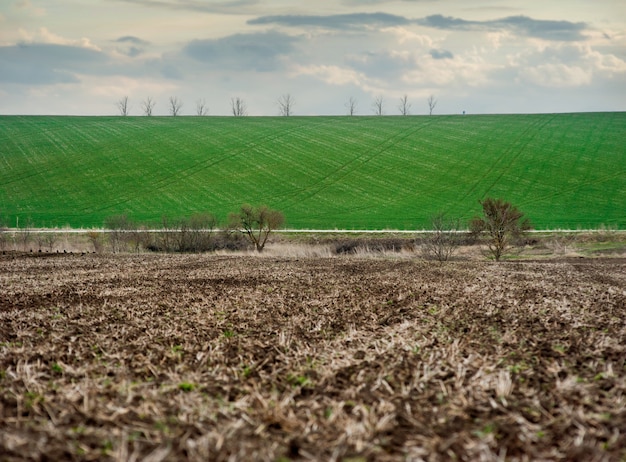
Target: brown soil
x=196, y=357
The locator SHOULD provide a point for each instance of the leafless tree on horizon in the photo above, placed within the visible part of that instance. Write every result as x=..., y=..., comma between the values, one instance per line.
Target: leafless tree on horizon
x=238, y=107
x=148, y=106
x=377, y=105
x=175, y=105
x=201, y=108
x=405, y=106
x=432, y=102
x=351, y=106
x=122, y=106
x=285, y=105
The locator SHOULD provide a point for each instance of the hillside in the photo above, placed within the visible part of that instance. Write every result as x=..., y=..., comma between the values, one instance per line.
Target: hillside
x=563, y=170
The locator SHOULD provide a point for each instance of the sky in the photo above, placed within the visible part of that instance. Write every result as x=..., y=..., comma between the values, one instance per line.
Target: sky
x=82, y=57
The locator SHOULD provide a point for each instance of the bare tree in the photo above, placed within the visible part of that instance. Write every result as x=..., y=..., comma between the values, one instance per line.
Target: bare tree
x=118, y=229
x=432, y=102
x=122, y=106
x=238, y=107
x=148, y=106
x=285, y=105
x=377, y=105
x=404, y=106
x=201, y=108
x=501, y=221
x=175, y=105
x=351, y=106
x=256, y=223
x=441, y=243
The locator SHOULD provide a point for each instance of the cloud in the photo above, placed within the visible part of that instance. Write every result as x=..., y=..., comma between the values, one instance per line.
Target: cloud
x=567, y=66
x=202, y=6
x=131, y=46
x=333, y=75
x=441, y=54
x=40, y=64
x=383, y=64
x=557, y=75
x=27, y=7
x=257, y=51
x=521, y=25
x=131, y=39
x=44, y=36
x=339, y=21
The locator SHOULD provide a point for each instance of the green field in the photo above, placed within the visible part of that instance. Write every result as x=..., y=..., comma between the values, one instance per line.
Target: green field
x=562, y=170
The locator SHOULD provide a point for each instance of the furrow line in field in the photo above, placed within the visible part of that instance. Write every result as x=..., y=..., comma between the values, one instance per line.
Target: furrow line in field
x=351, y=166
x=499, y=159
x=577, y=187
x=525, y=141
x=188, y=172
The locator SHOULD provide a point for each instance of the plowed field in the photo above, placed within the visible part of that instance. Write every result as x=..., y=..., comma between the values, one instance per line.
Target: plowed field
x=169, y=357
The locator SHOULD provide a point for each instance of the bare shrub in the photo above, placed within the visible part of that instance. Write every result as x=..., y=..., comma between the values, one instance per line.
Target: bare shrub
x=25, y=235
x=194, y=233
x=560, y=244
x=120, y=229
x=46, y=240
x=230, y=240
x=502, y=222
x=256, y=223
x=441, y=244
x=165, y=239
x=365, y=245
x=96, y=239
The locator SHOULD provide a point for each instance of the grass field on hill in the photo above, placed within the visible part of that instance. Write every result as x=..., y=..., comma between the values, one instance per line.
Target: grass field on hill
x=563, y=170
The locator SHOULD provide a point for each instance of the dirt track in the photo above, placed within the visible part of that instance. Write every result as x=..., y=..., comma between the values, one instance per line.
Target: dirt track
x=258, y=358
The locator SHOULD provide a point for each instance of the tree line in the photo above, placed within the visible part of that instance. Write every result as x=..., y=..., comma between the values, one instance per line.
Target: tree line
x=285, y=103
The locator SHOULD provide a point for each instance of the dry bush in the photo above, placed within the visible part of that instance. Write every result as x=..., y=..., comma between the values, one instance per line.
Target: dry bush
x=364, y=245
x=562, y=243
x=96, y=239
x=502, y=223
x=444, y=239
x=256, y=223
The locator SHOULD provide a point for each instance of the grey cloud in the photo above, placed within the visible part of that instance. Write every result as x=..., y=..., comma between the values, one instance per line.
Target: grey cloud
x=441, y=54
x=381, y=64
x=545, y=29
x=41, y=64
x=522, y=25
x=340, y=21
x=131, y=46
x=203, y=6
x=131, y=39
x=258, y=51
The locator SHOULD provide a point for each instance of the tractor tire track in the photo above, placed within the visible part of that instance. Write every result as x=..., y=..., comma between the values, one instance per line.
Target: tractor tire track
x=536, y=127
x=198, y=167
x=350, y=167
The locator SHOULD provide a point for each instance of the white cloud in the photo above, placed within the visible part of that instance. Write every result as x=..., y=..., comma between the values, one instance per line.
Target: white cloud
x=567, y=66
x=333, y=75
x=557, y=75
x=43, y=35
x=26, y=6
x=404, y=36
